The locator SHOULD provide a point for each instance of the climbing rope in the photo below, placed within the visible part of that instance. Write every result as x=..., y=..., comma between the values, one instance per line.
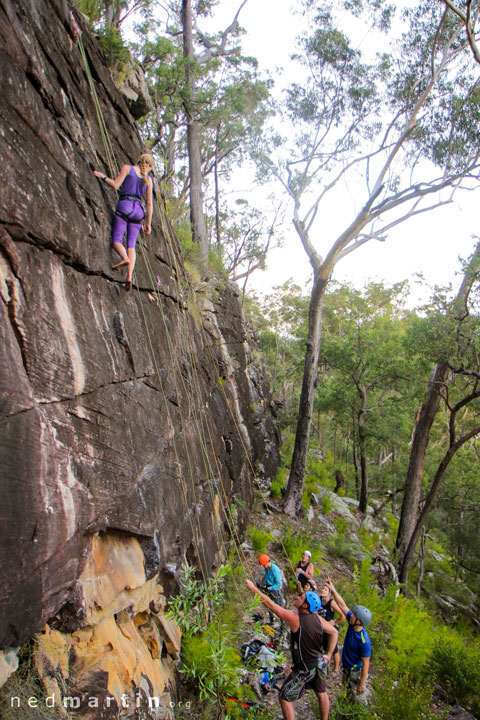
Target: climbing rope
x=191, y=389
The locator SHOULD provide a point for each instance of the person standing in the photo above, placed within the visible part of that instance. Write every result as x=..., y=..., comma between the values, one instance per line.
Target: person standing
x=306, y=637
x=304, y=569
x=327, y=611
x=357, y=648
x=271, y=581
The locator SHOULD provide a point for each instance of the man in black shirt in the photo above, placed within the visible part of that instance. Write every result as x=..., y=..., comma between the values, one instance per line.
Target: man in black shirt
x=307, y=630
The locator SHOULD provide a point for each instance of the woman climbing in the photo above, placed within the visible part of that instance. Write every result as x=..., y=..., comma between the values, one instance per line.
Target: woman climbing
x=133, y=182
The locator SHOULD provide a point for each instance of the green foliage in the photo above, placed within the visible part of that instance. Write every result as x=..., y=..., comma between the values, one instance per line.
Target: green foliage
x=193, y=608
x=345, y=708
x=411, y=637
x=260, y=540
x=400, y=696
x=279, y=482
x=111, y=41
x=341, y=525
x=327, y=504
x=341, y=547
x=207, y=613
x=215, y=262
x=320, y=474
x=295, y=543
x=276, y=489
x=455, y=666
x=211, y=662
x=369, y=540
x=399, y=629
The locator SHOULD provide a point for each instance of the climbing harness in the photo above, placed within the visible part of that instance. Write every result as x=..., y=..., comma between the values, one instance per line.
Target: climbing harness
x=191, y=386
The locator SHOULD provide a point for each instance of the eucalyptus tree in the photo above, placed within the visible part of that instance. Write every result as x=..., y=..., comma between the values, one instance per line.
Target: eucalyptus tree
x=210, y=107
x=468, y=13
x=403, y=131
x=372, y=379
x=112, y=13
x=451, y=340
x=281, y=322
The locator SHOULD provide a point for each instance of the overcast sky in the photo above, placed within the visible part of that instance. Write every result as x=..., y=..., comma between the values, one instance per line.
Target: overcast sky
x=430, y=244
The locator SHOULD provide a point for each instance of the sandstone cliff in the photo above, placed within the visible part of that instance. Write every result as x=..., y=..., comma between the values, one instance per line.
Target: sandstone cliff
x=128, y=420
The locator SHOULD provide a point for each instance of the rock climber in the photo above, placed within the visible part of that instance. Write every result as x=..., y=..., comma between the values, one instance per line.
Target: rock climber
x=133, y=182
x=307, y=629
x=327, y=611
x=357, y=648
x=304, y=570
x=271, y=581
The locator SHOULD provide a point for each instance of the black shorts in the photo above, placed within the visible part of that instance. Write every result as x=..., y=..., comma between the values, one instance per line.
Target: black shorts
x=300, y=680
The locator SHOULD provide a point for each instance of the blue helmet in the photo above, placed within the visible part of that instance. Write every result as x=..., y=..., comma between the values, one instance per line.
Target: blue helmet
x=313, y=601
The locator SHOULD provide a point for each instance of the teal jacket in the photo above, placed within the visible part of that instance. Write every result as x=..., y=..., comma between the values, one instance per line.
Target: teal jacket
x=273, y=577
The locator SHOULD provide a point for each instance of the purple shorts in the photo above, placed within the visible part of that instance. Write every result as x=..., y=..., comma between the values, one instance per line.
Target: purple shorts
x=134, y=211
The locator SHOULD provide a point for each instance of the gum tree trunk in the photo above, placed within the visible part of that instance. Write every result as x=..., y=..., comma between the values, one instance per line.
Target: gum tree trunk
x=293, y=496
x=197, y=219
x=421, y=438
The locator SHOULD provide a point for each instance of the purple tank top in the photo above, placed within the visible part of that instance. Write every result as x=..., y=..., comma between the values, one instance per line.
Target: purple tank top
x=133, y=185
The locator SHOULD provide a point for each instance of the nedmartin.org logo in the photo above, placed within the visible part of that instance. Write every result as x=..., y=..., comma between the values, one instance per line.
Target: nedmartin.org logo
x=91, y=701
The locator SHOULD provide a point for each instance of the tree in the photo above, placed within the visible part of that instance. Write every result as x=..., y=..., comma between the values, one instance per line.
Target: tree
x=414, y=110
x=197, y=219
x=457, y=372
x=468, y=12
x=372, y=378
x=112, y=13
x=210, y=106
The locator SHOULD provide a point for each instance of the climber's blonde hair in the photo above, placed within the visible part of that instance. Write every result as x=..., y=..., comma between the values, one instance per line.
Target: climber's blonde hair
x=144, y=160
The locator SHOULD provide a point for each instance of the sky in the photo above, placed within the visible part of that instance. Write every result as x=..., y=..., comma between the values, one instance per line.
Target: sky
x=430, y=244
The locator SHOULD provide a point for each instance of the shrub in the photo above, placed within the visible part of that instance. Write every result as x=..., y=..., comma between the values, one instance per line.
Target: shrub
x=260, y=540
x=345, y=708
x=327, y=504
x=398, y=697
x=276, y=489
x=294, y=544
x=341, y=525
x=412, y=639
x=210, y=635
x=454, y=664
x=368, y=539
x=279, y=482
x=111, y=41
x=340, y=547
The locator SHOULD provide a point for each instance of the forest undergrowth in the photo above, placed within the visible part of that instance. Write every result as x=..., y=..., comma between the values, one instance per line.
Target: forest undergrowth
x=421, y=666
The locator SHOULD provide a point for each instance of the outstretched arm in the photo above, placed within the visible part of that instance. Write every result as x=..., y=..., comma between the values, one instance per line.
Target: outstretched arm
x=115, y=184
x=340, y=601
x=290, y=617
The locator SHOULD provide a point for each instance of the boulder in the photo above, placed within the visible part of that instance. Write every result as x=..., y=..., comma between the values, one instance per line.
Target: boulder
x=338, y=504
x=134, y=89
x=8, y=663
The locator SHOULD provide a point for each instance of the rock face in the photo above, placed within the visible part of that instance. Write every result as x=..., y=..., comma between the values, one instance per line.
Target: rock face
x=135, y=91
x=124, y=415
